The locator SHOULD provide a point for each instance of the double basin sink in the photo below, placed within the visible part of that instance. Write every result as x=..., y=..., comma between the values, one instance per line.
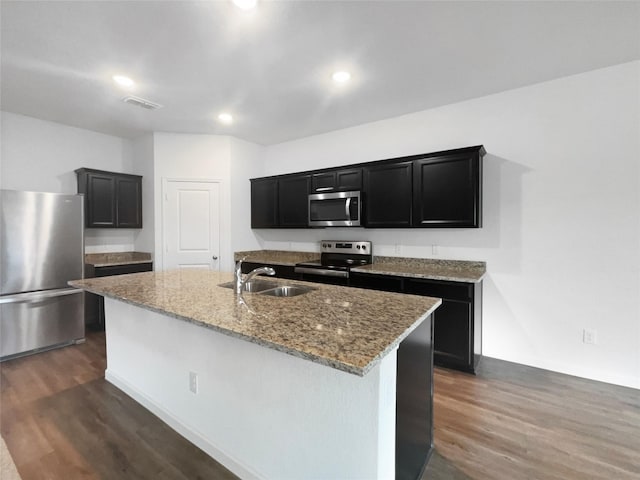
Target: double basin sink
x=264, y=287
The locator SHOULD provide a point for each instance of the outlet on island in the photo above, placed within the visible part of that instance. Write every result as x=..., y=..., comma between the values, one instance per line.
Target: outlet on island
x=589, y=336
x=193, y=382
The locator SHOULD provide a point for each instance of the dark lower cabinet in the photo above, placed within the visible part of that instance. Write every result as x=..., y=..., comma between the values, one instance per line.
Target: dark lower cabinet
x=94, y=304
x=457, y=322
x=112, y=200
x=414, y=402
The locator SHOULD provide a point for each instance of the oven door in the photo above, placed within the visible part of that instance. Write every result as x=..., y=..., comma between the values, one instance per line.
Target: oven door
x=339, y=209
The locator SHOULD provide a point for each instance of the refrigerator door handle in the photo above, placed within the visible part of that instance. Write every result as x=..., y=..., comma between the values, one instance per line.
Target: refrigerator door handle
x=38, y=296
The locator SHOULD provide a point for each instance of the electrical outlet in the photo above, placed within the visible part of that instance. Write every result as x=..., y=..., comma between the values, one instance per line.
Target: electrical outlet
x=589, y=336
x=193, y=382
x=398, y=249
x=434, y=249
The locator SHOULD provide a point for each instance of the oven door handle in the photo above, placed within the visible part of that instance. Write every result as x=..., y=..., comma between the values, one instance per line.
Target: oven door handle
x=347, y=208
x=324, y=273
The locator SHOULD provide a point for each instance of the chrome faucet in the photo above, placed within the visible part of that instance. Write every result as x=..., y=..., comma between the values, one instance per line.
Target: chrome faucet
x=240, y=282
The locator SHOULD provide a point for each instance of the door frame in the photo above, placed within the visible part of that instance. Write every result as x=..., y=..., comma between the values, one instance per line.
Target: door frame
x=163, y=202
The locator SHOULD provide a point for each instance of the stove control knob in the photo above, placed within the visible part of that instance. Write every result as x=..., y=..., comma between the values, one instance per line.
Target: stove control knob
x=364, y=247
x=358, y=247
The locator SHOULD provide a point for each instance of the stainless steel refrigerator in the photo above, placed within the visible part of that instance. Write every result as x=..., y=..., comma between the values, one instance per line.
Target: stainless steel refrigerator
x=41, y=248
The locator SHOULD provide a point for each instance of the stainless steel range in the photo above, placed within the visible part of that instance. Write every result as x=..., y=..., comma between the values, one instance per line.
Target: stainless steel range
x=337, y=257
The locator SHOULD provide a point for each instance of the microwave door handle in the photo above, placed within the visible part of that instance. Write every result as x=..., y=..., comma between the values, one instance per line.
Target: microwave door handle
x=347, y=208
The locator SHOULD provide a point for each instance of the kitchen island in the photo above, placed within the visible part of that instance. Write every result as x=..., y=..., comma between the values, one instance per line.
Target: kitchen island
x=334, y=383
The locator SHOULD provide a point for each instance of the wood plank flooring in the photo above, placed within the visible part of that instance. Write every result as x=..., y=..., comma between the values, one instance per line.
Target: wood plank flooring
x=62, y=420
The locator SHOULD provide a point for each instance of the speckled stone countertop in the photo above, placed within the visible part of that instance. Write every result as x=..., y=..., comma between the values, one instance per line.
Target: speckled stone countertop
x=345, y=328
x=116, y=258
x=432, y=269
x=276, y=257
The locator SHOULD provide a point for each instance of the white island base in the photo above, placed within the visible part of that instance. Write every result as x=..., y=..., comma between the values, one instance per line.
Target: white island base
x=259, y=412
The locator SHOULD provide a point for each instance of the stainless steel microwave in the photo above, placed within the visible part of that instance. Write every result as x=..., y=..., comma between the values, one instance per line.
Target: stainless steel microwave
x=336, y=209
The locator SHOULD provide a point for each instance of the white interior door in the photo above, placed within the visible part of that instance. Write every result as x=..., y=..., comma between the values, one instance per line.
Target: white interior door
x=191, y=224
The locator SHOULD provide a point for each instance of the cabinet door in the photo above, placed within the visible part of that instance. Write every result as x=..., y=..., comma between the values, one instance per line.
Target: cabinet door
x=129, y=202
x=323, y=182
x=447, y=191
x=388, y=197
x=264, y=203
x=452, y=337
x=101, y=200
x=293, y=198
x=344, y=180
x=349, y=180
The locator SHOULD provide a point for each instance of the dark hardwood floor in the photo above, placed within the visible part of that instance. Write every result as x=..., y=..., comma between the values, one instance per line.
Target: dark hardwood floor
x=62, y=420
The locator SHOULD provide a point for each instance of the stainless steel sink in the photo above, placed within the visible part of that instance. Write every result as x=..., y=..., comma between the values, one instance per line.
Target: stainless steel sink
x=252, y=286
x=287, y=291
x=271, y=288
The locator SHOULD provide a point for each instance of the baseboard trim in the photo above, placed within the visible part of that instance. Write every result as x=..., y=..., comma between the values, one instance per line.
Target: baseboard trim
x=186, y=431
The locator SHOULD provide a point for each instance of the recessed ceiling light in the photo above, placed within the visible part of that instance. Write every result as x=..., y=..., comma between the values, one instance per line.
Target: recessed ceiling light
x=245, y=4
x=124, y=82
x=341, y=77
x=225, y=118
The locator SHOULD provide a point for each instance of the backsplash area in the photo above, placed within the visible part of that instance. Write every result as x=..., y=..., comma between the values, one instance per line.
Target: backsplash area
x=109, y=240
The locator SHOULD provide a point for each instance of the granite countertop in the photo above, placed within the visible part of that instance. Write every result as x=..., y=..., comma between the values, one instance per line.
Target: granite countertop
x=345, y=328
x=427, y=268
x=276, y=257
x=116, y=258
x=432, y=269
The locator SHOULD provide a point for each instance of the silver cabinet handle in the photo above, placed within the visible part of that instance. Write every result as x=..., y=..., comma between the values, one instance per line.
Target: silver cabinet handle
x=214, y=257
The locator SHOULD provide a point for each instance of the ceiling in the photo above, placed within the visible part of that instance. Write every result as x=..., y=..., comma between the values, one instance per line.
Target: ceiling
x=271, y=67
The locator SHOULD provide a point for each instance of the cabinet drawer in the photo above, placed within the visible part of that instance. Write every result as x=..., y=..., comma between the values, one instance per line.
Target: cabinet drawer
x=376, y=282
x=450, y=290
x=123, y=269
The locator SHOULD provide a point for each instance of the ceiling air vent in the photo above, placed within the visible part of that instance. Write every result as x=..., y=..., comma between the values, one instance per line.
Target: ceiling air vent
x=141, y=102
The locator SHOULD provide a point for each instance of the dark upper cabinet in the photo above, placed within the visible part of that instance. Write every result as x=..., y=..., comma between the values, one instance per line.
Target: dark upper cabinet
x=128, y=202
x=447, y=191
x=436, y=190
x=388, y=199
x=264, y=202
x=293, y=194
x=337, y=180
x=112, y=200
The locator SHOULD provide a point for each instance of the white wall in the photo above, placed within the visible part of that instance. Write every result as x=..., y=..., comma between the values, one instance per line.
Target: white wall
x=248, y=394
x=37, y=155
x=561, y=233
x=246, y=162
x=183, y=156
x=143, y=164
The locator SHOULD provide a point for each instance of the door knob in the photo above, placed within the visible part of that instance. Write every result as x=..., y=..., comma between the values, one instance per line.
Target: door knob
x=214, y=257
